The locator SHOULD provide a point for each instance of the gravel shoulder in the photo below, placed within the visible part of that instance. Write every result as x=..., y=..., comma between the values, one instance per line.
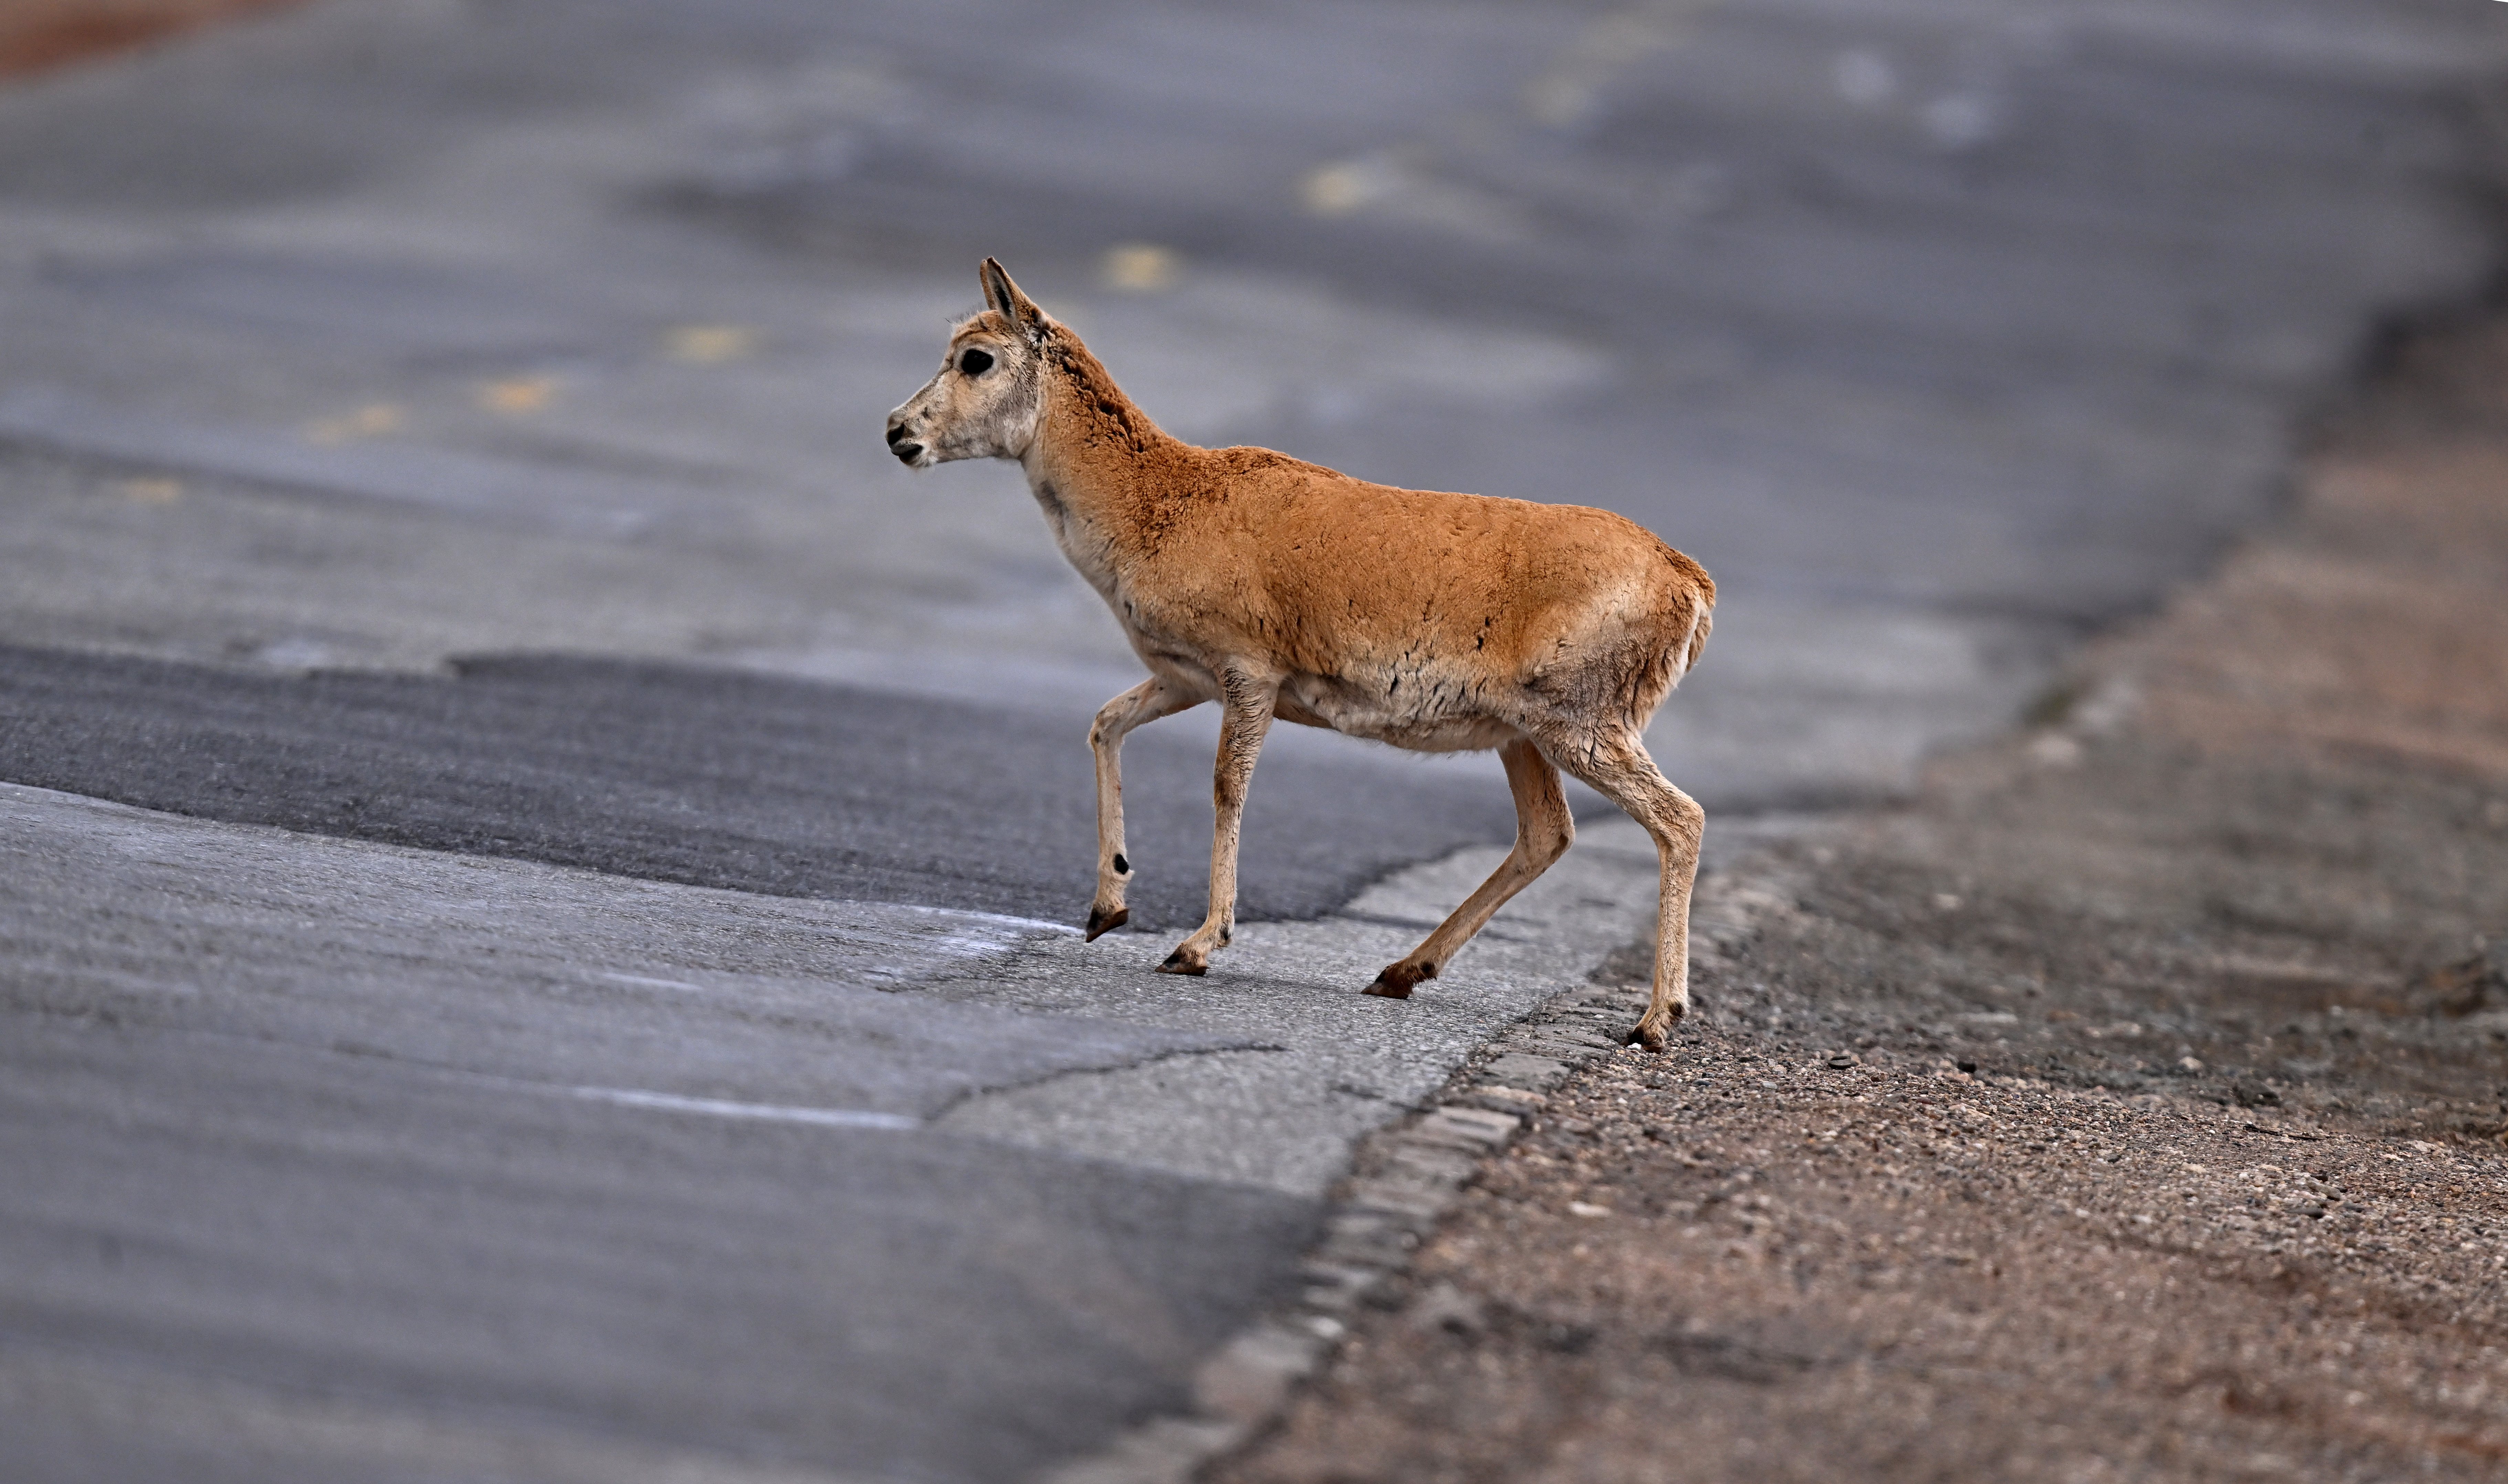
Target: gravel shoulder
x=2132, y=1102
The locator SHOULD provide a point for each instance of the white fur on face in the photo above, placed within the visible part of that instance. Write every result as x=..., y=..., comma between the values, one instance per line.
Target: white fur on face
x=991, y=415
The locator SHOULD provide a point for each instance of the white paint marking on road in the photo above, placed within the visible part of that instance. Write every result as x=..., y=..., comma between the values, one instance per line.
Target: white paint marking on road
x=966, y=946
x=1001, y=919
x=658, y=984
x=715, y=1107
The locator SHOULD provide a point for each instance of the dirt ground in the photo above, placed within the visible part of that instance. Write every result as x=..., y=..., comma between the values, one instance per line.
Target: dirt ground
x=40, y=34
x=2134, y=1103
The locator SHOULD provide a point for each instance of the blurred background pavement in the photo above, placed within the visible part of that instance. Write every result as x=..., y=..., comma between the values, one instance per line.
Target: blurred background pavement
x=452, y=424
x=1937, y=331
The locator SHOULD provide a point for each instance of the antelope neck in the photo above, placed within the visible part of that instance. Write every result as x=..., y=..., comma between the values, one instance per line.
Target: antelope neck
x=1097, y=458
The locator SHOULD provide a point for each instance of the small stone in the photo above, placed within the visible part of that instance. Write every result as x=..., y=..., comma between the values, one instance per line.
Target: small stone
x=1500, y=1099
x=1247, y=1380
x=2250, y=1094
x=1531, y=1073
x=1450, y=1309
x=1474, y=1128
x=2054, y=749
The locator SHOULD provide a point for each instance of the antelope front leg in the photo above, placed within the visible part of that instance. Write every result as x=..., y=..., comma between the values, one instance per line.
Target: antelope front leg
x=1240, y=738
x=1147, y=701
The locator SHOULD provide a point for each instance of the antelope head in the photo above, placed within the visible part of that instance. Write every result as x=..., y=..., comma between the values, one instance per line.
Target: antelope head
x=988, y=394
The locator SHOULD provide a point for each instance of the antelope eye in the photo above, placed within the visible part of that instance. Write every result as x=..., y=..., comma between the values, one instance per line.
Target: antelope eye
x=975, y=362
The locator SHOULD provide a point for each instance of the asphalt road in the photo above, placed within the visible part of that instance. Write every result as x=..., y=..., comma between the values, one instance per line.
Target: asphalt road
x=538, y=861
x=720, y=778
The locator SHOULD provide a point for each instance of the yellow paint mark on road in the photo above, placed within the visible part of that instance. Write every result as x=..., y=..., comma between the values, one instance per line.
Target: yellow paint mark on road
x=372, y=420
x=517, y=395
x=1140, y=268
x=711, y=345
x=154, y=490
x=1334, y=190
x=1570, y=90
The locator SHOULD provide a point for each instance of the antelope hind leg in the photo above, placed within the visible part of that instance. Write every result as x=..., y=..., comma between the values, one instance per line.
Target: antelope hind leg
x=1543, y=830
x=1617, y=768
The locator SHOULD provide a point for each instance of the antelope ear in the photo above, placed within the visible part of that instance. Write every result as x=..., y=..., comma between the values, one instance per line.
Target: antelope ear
x=1004, y=295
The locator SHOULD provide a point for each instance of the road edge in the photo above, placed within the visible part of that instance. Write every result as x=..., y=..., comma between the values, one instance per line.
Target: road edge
x=1403, y=1179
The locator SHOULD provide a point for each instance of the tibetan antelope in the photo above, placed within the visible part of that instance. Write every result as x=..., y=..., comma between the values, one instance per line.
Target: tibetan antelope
x=1281, y=588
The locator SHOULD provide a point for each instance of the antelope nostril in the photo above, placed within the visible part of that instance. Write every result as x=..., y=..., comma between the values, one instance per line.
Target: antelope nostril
x=906, y=451
x=894, y=433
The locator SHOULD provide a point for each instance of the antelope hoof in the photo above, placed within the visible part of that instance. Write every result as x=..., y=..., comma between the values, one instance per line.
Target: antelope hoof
x=1182, y=961
x=1653, y=1032
x=1395, y=982
x=1101, y=921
